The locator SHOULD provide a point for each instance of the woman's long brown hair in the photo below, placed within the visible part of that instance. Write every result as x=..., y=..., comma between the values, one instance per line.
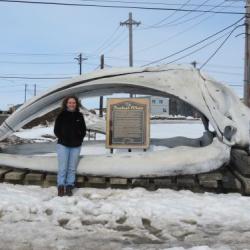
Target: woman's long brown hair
x=65, y=101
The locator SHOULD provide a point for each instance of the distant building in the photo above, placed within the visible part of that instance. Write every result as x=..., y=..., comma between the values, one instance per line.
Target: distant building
x=179, y=107
x=13, y=108
x=159, y=105
x=171, y=106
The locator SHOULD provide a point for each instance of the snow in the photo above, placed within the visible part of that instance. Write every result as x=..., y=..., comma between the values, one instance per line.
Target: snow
x=158, y=130
x=93, y=121
x=32, y=217
x=190, y=130
x=166, y=130
x=122, y=219
x=133, y=219
x=157, y=161
x=36, y=133
x=101, y=150
x=39, y=133
x=140, y=164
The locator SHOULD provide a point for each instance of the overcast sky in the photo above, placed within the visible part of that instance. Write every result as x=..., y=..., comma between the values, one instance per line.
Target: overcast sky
x=28, y=32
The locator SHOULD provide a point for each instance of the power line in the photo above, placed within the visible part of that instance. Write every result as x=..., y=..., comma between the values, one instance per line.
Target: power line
x=15, y=62
x=166, y=18
x=118, y=7
x=107, y=40
x=186, y=14
x=68, y=54
x=115, y=41
x=42, y=63
x=216, y=51
x=195, y=44
x=174, y=23
x=176, y=35
x=42, y=74
x=148, y=3
x=196, y=50
x=37, y=54
x=90, y=55
x=34, y=78
x=121, y=40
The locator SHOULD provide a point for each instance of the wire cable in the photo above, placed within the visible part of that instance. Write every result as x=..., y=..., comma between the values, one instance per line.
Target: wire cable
x=146, y=2
x=117, y=6
x=217, y=50
x=199, y=49
x=15, y=62
x=176, y=34
x=107, y=40
x=166, y=18
x=124, y=38
x=116, y=41
x=34, y=78
x=174, y=23
x=186, y=14
x=37, y=54
x=195, y=44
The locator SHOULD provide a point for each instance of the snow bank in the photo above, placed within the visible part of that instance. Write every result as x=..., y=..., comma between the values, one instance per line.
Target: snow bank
x=166, y=130
x=174, y=161
x=122, y=219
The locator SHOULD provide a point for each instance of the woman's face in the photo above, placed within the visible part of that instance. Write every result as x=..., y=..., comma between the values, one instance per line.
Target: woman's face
x=71, y=104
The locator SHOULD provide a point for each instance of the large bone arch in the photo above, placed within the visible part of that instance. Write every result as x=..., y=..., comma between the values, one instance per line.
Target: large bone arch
x=217, y=102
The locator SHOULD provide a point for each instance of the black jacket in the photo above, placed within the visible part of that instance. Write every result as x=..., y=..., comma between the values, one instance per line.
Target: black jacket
x=70, y=128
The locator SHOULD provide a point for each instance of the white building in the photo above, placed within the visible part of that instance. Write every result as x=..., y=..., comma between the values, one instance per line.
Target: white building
x=159, y=105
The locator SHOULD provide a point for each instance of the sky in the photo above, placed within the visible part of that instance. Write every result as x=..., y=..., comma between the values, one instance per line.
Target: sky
x=44, y=40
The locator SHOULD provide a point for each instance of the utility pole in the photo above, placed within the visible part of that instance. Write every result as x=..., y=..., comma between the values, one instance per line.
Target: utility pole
x=80, y=59
x=25, y=91
x=34, y=89
x=130, y=23
x=247, y=56
x=101, y=97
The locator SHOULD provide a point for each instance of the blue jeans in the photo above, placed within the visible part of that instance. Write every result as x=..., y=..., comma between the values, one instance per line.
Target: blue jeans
x=68, y=158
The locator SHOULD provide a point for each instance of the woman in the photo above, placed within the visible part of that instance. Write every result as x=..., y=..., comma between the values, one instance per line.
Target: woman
x=70, y=129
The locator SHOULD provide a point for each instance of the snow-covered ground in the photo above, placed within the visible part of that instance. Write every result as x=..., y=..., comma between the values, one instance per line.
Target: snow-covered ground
x=161, y=159
x=158, y=130
x=35, y=218
x=165, y=130
x=32, y=217
x=36, y=133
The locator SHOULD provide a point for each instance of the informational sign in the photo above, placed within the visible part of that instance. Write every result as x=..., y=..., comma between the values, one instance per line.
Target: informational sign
x=128, y=123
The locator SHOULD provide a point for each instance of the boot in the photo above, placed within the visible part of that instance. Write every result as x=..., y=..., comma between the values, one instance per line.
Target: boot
x=60, y=190
x=69, y=189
